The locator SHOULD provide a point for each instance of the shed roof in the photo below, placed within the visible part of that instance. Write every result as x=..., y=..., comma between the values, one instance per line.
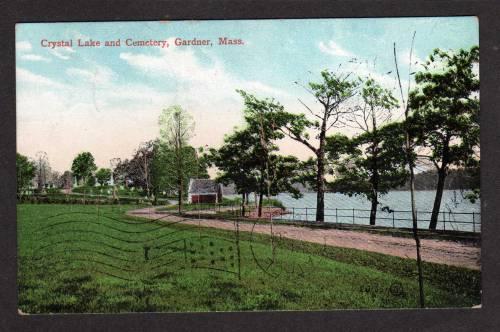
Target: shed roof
x=203, y=186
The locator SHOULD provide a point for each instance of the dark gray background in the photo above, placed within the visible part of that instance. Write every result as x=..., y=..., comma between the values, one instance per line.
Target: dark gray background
x=485, y=319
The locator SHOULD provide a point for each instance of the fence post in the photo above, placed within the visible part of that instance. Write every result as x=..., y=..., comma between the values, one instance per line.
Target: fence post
x=293, y=214
x=307, y=219
x=473, y=223
x=336, y=216
x=353, y=216
x=393, y=224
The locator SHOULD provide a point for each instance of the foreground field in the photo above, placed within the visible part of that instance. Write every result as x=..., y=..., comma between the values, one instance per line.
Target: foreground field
x=80, y=258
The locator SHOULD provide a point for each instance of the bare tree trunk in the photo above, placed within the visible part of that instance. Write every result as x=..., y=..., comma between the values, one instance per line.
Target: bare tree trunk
x=320, y=179
x=409, y=161
x=243, y=204
x=261, y=198
x=320, y=197
x=179, y=192
x=415, y=233
x=146, y=173
x=438, y=198
x=373, y=211
x=375, y=182
x=180, y=165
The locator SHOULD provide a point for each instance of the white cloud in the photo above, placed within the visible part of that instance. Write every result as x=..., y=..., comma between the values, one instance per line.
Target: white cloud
x=25, y=76
x=207, y=82
x=57, y=54
x=416, y=62
x=66, y=119
x=34, y=57
x=99, y=75
x=137, y=93
x=334, y=49
x=23, y=46
x=62, y=52
x=207, y=91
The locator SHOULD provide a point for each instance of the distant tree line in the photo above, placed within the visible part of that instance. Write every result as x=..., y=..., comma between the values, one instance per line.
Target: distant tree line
x=457, y=179
x=162, y=165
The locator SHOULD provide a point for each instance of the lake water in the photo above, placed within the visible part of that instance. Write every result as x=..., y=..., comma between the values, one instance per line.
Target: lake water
x=457, y=212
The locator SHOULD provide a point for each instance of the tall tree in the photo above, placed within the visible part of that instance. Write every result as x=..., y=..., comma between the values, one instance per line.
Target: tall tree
x=120, y=172
x=25, y=172
x=83, y=166
x=261, y=124
x=332, y=93
x=376, y=164
x=237, y=163
x=103, y=175
x=410, y=161
x=164, y=176
x=139, y=167
x=446, y=113
x=161, y=176
x=176, y=128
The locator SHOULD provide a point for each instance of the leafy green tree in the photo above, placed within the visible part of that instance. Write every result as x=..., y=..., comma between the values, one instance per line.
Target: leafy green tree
x=446, y=113
x=275, y=172
x=139, y=167
x=373, y=164
x=162, y=179
x=121, y=172
x=164, y=176
x=176, y=128
x=237, y=163
x=25, y=172
x=332, y=94
x=103, y=175
x=285, y=171
x=83, y=166
x=376, y=161
x=91, y=181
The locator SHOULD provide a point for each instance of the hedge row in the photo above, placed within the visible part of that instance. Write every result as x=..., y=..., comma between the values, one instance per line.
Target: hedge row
x=74, y=200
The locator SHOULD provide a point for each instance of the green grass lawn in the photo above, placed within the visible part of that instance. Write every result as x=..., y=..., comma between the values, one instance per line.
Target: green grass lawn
x=81, y=258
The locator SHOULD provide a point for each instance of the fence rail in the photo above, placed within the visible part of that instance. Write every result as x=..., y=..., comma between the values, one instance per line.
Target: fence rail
x=447, y=220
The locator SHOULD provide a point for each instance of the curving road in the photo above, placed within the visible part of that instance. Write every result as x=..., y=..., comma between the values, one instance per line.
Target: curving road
x=432, y=250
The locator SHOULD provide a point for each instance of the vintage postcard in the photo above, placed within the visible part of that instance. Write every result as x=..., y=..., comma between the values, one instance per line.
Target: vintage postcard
x=248, y=165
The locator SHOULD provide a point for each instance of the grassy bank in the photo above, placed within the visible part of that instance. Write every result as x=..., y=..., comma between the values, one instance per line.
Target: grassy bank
x=82, y=258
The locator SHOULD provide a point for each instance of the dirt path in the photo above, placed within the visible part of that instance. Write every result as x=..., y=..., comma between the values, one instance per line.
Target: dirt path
x=432, y=250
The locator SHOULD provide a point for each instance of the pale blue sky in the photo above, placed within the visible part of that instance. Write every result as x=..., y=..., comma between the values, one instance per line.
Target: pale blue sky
x=107, y=100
